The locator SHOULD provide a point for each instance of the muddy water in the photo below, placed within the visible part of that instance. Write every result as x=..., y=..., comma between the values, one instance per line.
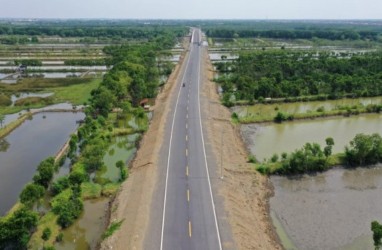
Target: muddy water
x=331, y=210
x=87, y=230
x=265, y=140
x=30, y=143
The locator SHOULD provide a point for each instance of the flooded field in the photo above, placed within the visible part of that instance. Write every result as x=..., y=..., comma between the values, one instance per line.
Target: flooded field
x=123, y=149
x=270, y=110
x=265, y=140
x=331, y=210
x=86, y=232
x=27, y=146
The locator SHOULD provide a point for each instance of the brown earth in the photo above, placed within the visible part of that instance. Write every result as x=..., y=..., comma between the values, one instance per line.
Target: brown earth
x=246, y=193
x=133, y=201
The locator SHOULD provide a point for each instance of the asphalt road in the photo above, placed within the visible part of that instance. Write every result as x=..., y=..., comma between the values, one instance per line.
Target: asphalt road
x=183, y=214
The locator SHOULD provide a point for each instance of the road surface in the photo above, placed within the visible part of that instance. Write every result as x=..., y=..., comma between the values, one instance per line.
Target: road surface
x=183, y=212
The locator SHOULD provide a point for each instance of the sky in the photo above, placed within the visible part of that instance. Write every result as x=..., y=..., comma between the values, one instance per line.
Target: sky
x=193, y=9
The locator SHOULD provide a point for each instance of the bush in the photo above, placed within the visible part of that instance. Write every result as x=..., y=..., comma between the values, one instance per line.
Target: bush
x=263, y=169
x=5, y=100
x=46, y=233
x=31, y=193
x=252, y=159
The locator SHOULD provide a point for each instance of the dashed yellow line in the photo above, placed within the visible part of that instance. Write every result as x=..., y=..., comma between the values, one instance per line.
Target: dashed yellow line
x=187, y=172
x=186, y=152
x=186, y=137
x=188, y=195
x=189, y=229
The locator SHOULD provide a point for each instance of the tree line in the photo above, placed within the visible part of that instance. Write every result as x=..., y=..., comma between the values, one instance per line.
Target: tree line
x=362, y=150
x=286, y=74
x=294, y=34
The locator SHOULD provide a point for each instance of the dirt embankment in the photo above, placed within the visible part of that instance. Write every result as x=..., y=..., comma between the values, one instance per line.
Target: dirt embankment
x=246, y=193
x=133, y=201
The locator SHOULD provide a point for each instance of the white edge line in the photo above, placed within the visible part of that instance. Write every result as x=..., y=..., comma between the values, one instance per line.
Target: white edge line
x=205, y=160
x=169, y=151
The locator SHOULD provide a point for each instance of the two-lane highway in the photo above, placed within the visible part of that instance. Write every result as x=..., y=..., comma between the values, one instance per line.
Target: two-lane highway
x=189, y=218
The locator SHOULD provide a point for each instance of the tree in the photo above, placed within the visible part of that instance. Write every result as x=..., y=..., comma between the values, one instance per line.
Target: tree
x=329, y=145
x=123, y=171
x=16, y=229
x=46, y=233
x=31, y=193
x=377, y=234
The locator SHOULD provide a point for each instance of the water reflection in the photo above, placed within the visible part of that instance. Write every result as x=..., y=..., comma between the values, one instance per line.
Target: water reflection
x=4, y=145
x=331, y=210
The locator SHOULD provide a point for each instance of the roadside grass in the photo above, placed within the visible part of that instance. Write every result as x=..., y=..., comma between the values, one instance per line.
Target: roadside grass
x=110, y=189
x=111, y=229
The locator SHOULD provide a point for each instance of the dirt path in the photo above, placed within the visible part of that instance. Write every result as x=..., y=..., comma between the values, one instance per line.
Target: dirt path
x=246, y=193
x=133, y=201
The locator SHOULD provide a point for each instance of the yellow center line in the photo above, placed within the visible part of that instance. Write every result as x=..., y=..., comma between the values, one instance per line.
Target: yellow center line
x=186, y=152
x=189, y=229
x=186, y=137
x=188, y=195
x=187, y=171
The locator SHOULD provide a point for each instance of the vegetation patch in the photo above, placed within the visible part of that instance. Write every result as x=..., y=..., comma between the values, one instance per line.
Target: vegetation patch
x=111, y=229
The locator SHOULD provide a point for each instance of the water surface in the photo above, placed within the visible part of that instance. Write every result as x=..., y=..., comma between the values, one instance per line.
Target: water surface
x=29, y=144
x=265, y=140
x=331, y=210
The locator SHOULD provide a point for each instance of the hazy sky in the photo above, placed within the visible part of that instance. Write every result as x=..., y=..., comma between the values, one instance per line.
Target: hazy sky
x=193, y=9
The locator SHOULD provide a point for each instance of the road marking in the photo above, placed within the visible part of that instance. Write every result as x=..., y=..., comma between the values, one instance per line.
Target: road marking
x=186, y=137
x=189, y=229
x=205, y=160
x=169, y=152
x=188, y=195
x=186, y=125
x=187, y=108
x=187, y=116
x=186, y=152
x=187, y=171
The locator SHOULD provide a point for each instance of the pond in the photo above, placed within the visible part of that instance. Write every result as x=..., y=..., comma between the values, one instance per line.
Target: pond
x=123, y=149
x=331, y=210
x=27, y=146
x=86, y=232
x=263, y=140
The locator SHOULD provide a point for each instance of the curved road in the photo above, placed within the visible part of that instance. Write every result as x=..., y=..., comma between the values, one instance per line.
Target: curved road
x=183, y=212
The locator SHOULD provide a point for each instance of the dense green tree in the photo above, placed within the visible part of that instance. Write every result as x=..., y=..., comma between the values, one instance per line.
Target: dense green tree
x=31, y=193
x=377, y=234
x=15, y=230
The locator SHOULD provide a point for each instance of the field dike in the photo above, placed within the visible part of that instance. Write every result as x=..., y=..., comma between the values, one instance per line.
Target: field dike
x=246, y=192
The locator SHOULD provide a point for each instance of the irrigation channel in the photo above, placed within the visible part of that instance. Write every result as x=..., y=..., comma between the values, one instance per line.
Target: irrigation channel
x=330, y=210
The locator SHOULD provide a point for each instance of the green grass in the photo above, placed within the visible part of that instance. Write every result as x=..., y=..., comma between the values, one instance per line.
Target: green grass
x=110, y=189
x=76, y=94
x=111, y=229
x=48, y=220
x=90, y=190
